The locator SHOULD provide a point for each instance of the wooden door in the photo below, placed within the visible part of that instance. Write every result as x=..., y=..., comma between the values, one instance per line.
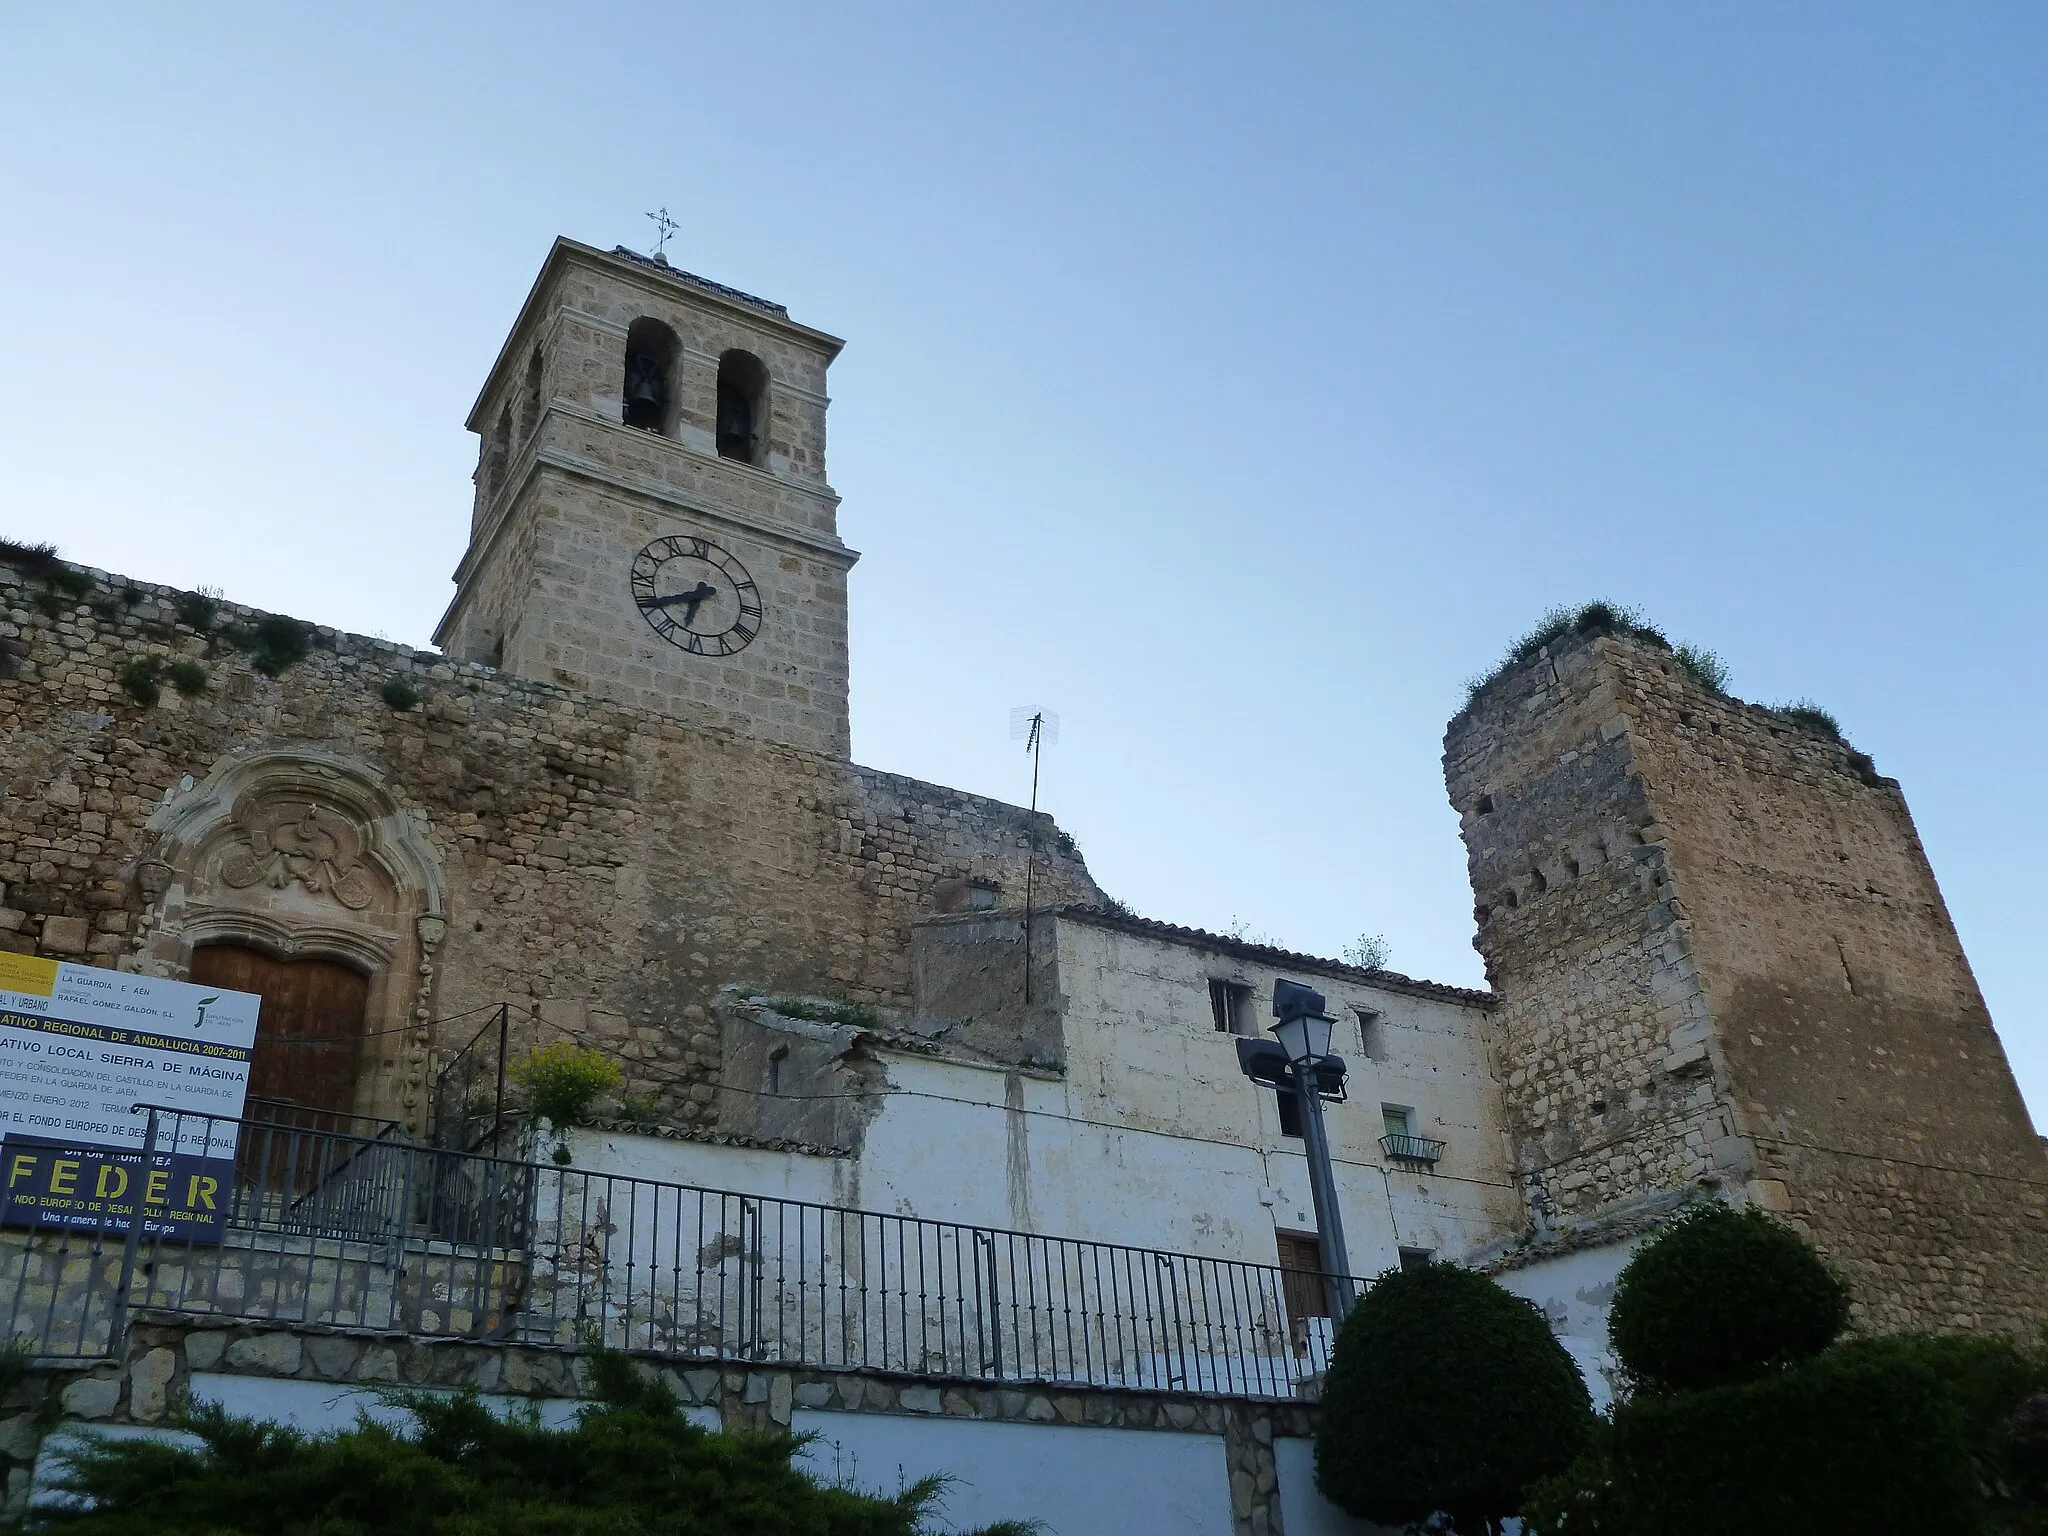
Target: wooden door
x=1301, y=1282
x=309, y=1034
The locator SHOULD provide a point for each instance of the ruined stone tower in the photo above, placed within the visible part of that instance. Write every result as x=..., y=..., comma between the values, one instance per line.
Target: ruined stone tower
x=652, y=519
x=1723, y=962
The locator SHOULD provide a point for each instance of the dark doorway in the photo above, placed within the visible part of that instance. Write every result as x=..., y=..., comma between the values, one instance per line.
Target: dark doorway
x=309, y=1033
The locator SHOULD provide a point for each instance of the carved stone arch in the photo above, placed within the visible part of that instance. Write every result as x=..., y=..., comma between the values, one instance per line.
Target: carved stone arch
x=300, y=852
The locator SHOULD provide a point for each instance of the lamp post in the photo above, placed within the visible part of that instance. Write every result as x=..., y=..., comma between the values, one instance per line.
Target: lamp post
x=1303, y=1030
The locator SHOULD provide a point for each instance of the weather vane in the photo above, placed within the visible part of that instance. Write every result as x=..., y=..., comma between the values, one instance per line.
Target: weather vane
x=664, y=226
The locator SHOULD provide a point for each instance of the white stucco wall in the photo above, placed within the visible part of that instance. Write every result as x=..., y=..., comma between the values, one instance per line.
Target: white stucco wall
x=1077, y=1480
x=1575, y=1291
x=1152, y=1137
x=1303, y=1510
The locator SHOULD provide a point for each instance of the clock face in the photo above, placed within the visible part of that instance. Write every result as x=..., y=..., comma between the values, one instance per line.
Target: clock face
x=696, y=595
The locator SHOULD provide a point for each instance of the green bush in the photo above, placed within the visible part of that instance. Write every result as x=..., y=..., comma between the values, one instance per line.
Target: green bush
x=1849, y=1442
x=138, y=676
x=399, y=693
x=1446, y=1395
x=1721, y=1295
x=631, y=1463
x=561, y=1081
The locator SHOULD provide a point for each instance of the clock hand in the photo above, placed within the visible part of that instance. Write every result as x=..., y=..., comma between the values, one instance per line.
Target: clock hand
x=690, y=600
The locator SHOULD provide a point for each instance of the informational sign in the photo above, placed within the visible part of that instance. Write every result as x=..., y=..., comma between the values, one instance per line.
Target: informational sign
x=80, y=1048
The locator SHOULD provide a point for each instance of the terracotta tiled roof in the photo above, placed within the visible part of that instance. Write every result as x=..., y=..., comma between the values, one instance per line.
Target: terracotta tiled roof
x=1174, y=933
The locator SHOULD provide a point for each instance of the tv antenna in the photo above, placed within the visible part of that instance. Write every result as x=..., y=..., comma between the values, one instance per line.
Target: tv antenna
x=1037, y=729
x=664, y=226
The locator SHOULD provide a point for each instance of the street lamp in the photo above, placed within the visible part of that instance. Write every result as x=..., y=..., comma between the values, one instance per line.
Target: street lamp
x=1303, y=1030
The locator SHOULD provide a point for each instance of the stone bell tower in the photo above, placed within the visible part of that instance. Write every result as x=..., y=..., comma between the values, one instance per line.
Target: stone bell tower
x=652, y=520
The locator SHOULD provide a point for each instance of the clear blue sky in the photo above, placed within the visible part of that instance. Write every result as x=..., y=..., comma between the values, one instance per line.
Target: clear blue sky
x=1236, y=381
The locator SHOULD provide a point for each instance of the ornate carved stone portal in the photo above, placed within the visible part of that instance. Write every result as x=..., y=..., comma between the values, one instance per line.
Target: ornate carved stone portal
x=303, y=853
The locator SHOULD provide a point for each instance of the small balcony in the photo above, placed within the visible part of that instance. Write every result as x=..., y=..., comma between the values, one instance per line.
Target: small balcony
x=1420, y=1150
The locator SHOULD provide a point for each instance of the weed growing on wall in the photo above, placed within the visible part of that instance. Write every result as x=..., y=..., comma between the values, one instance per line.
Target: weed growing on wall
x=198, y=610
x=187, y=676
x=1368, y=953
x=35, y=561
x=827, y=1010
x=138, y=677
x=399, y=693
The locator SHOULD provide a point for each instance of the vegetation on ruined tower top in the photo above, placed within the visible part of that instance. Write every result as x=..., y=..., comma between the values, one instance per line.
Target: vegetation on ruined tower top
x=1447, y=1396
x=1722, y=1295
x=1604, y=618
x=198, y=610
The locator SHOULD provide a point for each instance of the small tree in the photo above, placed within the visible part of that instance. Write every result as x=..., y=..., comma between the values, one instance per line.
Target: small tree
x=561, y=1083
x=1446, y=1396
x=1722, y=1295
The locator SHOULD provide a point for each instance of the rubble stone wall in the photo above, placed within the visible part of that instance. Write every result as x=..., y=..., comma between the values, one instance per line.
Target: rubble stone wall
x=1722, y=954
x=604, y=868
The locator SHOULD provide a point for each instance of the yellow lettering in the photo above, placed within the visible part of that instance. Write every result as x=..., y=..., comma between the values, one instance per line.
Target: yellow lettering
x=62, y=1173
x=23, y=1167
x=200, y=1191
x=158, y=1186
x=112, y=1171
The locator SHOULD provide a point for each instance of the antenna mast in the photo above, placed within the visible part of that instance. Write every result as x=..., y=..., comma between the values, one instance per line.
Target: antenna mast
x=1039, y=729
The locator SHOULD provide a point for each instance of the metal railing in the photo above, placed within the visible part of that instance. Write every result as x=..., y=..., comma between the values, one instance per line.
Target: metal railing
x=1412, y=1149
x=470, y=1113
x=346, y=1230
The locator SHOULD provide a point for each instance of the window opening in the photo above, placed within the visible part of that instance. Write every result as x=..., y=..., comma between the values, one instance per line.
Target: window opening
x=1230, y=1007
x=1399, y=1121
x=1372, y=1033
x=1415, y=1258
x=1290, y=1113
x=776, y=1058
x=742, y=406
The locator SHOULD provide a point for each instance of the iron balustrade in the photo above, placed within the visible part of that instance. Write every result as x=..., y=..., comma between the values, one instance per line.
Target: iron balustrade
x=349, y=1230
x=1412, y=1149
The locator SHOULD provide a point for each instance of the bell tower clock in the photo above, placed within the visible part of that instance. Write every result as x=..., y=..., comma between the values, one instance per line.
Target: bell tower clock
x=652, y=520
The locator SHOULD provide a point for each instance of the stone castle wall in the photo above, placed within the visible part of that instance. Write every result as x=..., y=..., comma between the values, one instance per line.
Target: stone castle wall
x=606, y=867
x=1758, y=982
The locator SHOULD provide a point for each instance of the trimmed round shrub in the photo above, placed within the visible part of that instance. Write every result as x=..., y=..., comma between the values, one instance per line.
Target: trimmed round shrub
x=1720, y=1296
x=1446, y=1395
x=1849, y=1442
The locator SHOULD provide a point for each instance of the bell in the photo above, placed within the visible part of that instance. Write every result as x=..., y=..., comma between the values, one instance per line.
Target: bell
x=644, y=390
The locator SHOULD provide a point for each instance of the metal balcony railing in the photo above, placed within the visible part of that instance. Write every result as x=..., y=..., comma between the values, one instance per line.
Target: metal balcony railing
x=350, y=1230
x=1412, y=1149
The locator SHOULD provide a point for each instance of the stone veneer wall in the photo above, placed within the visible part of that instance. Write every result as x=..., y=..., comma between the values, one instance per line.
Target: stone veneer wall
x=608, y=867
x=163, y=1351
x=1722, y=953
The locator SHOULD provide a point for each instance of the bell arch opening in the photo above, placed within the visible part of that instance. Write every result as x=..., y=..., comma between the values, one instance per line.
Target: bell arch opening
x=651, y=353
x=742, y=406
